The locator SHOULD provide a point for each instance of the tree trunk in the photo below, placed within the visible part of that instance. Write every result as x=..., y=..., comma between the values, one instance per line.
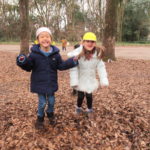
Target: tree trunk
x=24, y=32
x=110, y=29
x=120, y=15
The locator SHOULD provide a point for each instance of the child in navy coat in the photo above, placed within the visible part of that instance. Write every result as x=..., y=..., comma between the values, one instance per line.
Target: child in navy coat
x=44, y=61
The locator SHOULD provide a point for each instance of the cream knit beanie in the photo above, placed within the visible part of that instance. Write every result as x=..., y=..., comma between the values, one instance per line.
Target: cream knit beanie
x=43, y=29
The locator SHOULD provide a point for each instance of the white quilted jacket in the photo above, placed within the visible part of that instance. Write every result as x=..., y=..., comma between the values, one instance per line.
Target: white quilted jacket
x=84, y=75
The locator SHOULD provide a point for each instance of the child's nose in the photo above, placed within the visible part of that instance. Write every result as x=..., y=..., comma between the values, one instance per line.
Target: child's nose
x=90, y=43
x=45, y=38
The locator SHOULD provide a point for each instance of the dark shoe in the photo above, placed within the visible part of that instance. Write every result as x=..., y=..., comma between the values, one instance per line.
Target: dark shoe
x=51, y=114
x=39, y=124
x=51, y=118
x=74, y=92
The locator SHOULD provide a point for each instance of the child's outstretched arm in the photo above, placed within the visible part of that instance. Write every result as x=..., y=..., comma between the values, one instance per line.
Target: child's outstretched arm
x=102, y=74
x=75, y=52
x=67, y=64
x=24, y=62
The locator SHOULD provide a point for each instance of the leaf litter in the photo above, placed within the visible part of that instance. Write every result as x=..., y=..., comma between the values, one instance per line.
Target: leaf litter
x=121, y=118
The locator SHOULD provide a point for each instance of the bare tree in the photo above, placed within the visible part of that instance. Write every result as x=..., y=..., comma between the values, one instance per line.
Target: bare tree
x=120, y=16
x=110, y=28
x=24, y=33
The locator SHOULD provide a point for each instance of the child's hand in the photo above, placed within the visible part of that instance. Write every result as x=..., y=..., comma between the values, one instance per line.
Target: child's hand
x=104, y=82
x=104, y=86
x=21, y=58
x=75, y=58
x=99, y=88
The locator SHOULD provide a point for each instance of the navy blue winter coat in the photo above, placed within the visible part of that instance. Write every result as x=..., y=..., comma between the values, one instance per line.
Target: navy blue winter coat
x=44, y=69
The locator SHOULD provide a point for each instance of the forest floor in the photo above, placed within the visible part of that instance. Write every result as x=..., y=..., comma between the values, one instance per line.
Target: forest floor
x=121, y=118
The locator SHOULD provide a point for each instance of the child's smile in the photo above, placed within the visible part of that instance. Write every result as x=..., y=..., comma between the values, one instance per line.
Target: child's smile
x=44, y=39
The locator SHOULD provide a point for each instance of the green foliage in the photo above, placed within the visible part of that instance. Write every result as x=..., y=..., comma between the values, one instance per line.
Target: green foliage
x=136, y=20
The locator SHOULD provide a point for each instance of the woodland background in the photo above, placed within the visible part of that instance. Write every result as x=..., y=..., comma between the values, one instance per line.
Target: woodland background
x=66, y=17
x=121, y=118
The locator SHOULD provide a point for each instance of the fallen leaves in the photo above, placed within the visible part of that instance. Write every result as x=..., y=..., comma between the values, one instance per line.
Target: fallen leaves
x=121, y=118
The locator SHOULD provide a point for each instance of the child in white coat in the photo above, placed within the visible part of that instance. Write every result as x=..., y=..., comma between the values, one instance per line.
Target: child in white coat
x=83, y=77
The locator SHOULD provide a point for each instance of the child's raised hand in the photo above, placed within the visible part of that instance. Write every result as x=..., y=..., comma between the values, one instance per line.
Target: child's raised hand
x=75, y=58
x=21, y=58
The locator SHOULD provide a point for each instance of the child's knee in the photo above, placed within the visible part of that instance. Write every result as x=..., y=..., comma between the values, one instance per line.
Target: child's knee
x=42, y=105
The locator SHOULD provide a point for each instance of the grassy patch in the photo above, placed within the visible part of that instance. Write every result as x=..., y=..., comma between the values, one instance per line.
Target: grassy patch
x=10, y=43
x=138, y=43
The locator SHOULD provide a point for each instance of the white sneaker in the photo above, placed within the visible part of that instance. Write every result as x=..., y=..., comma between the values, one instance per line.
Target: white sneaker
x=89, y=110
x=79, y=110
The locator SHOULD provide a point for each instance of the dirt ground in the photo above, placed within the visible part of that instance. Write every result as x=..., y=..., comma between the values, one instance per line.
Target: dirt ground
x=131, y=52
x=121, y=118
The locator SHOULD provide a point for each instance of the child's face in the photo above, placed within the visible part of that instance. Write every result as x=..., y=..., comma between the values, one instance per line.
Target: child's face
x=44, y=39
x=89, y=45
